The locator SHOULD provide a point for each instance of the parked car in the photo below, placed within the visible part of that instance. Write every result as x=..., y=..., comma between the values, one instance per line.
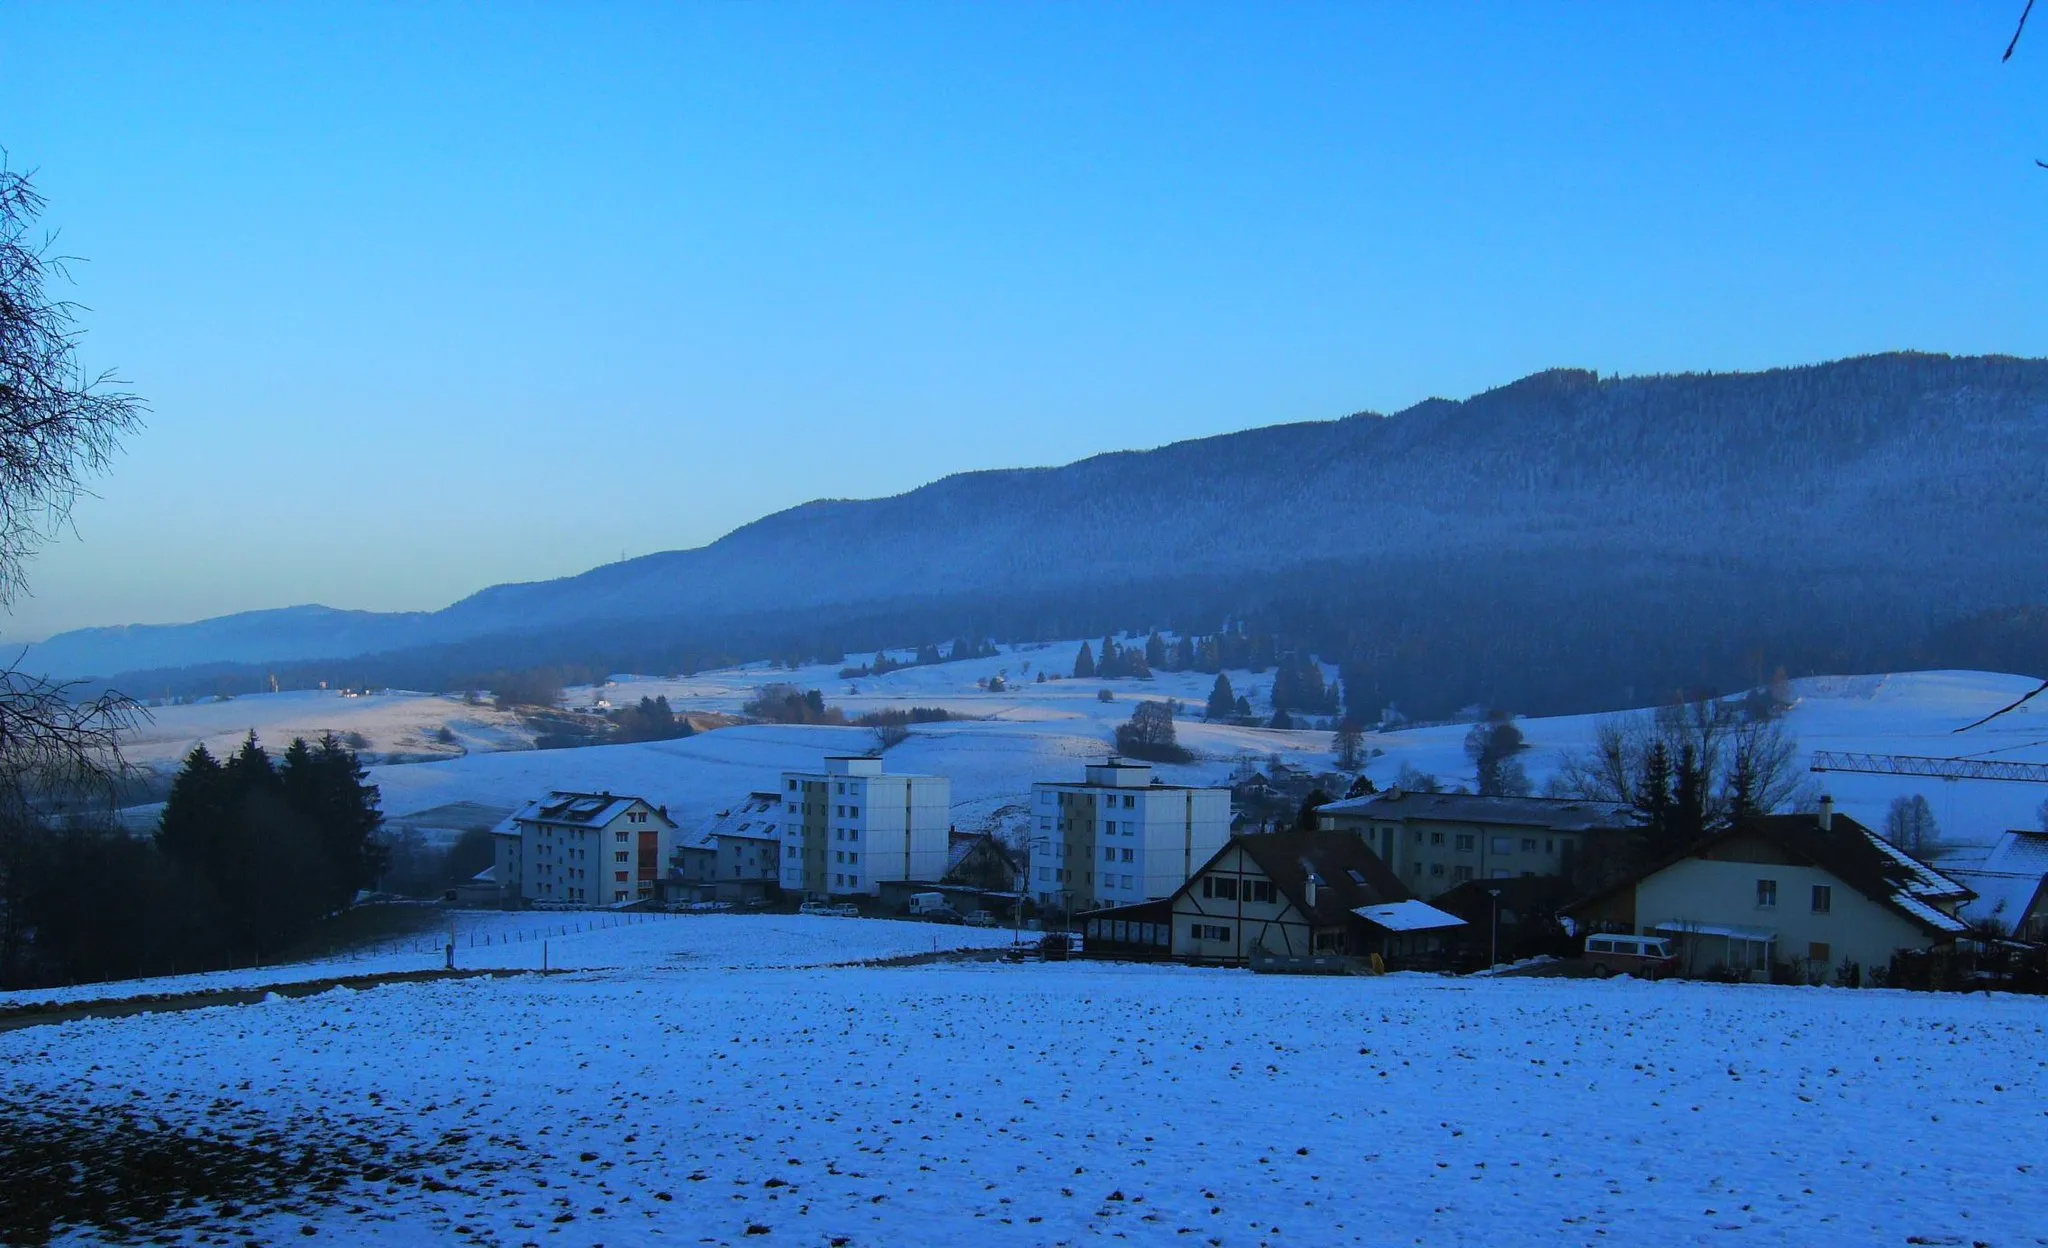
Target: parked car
x=945, y=914
x=1647, y=956
x=817, y=907
x=982, y=918
x=844, y=910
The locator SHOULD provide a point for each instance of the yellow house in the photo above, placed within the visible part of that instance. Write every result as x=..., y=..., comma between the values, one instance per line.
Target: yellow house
x=1813, y=890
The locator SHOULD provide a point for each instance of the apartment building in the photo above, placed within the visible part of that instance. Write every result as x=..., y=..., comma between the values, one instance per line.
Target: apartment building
x=1120, y=835
x=594, y=849
x=847, y=828
x=1434, y=842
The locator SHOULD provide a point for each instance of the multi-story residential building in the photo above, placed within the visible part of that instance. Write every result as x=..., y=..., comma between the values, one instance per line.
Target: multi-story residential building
x=736, y=854
x=847, y=828
x=1120, y=836
x=593, y=849
x=1434, y=842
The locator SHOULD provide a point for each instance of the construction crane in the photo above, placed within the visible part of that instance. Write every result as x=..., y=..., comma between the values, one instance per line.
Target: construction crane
x=1933, y=768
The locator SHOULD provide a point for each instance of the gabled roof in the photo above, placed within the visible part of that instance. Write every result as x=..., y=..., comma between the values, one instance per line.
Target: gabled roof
x=752, y=819
x=2002, y=896
x=581, y=810
x=1347, y=873
x=1559, y=814
x=1851, y=853
x=2022, y=851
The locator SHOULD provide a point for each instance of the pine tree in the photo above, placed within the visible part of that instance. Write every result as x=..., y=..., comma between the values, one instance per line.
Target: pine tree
x=1222, y=700
x=194, y=825
x=348, y=819
x=1084, y=662
x=1155, y=651
x=1244, y=707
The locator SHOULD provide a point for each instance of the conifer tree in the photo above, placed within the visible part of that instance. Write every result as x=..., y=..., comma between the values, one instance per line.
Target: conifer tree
x=1084, y=662
x=1222, y=699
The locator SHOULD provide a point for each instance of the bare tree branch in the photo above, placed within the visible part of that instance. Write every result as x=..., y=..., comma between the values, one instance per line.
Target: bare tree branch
x=2016, y=35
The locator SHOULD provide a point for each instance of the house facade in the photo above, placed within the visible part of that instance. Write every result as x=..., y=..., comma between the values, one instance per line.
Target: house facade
x=844, y=830
x=1810, y=890
x=1437, y=841
x=1120, y=836
x=590, y=849
x=1299, y=894
x=735, y=855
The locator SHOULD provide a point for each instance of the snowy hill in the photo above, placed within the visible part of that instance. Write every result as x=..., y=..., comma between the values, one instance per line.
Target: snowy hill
x=1045, y=731
x=1833, y=518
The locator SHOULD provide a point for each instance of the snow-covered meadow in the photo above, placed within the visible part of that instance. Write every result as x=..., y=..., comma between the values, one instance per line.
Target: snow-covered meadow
x=1066, y=1103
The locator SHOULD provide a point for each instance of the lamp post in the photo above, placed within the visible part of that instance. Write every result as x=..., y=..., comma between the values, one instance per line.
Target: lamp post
x=1495, y=894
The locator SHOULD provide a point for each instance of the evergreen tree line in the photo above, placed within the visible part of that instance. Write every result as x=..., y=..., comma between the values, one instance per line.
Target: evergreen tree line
x=927, y=656
x=652, y=720
x=249, y=854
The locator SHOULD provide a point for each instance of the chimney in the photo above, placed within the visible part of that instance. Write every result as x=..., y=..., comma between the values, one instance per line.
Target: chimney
x=1826, y=818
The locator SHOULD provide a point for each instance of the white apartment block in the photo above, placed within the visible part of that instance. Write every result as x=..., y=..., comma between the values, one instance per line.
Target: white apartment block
x=585, y=849
x=847, y=828
x=1120, y=836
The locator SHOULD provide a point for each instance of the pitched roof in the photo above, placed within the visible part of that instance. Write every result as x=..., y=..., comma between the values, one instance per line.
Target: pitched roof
x=750, y=819
x=2022, y=851
x=2002, y=896
x=1559, y=814
x=1347, y=873
x=583, y=810
x=1851, y=853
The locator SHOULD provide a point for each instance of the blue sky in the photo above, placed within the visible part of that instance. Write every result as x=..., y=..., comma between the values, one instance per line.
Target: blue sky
x=426, y=298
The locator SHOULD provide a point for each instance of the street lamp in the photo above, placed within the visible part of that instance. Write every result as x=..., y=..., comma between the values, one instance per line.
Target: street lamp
x=1495, y=894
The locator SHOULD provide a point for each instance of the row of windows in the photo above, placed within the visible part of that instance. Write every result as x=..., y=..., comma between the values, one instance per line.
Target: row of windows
x=1822, y=899
x=1109, y=853
x=846, y=881
x=840, y=855
x=1467, y=842
x=1227, y=888
x=1208, y=931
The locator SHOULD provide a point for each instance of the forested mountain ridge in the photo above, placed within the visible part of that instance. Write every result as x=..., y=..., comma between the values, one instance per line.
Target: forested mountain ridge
x=1880, y=481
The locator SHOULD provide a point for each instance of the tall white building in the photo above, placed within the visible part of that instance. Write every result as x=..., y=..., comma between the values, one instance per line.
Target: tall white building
x=1120, y=836
x=847, y=828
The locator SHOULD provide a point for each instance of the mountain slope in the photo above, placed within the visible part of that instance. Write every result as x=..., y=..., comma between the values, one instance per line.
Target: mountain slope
x=1918, y=473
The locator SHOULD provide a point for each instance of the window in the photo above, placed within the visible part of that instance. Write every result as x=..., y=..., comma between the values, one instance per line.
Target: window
x=1823, y=898
x=1528, y=844
x=1464, y=842
x=620, y=835
x=1415, y=868
x=841, y=790
x=1818, y=951
x=1436, y=838
x=1045, y=823
x=792, y=788
x=1766, y=893
x=619, y=877
x=839, y=855
x=1109, y=827
x=1044, y=874
x=1108, y=854
x=1127, y=882
x=1226, y=889
x=1208, y=931
x=1549, y=844
x=853, y=812
x=1418, y=836
x=839, y=812
x=1436, y=868
x=1503, y=845
x=838, y=878
x=1130, y=803
x=852, y=858
x=1461, y=874
x=792, y=808
x=1130, y=855
x=619, y=857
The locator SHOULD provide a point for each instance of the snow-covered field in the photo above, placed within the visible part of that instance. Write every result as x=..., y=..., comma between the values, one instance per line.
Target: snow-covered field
x=1034, y=731
x=575, y=940
x=1066, y=1103
x=392, y=723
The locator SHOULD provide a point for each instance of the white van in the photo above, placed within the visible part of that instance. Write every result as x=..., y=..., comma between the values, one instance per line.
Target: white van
x=927, y=903
x=1610, y=953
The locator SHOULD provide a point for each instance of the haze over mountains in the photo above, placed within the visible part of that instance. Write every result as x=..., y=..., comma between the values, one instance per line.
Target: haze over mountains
x=1692, y=527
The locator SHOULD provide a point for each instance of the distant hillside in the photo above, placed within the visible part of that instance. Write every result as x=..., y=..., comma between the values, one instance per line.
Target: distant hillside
x=1844, y=512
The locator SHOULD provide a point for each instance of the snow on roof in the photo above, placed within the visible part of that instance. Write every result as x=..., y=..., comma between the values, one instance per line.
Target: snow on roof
x=752, y=818
x=593, y=810
x=1408, y=916
x=1922, y=880
x=1937, y=919
x=489, y=875
x=2020, y=851
x=2002, y=896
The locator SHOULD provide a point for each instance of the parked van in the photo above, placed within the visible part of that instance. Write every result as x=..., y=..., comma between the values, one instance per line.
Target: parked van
x=1609, y=953
x=927, y=903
